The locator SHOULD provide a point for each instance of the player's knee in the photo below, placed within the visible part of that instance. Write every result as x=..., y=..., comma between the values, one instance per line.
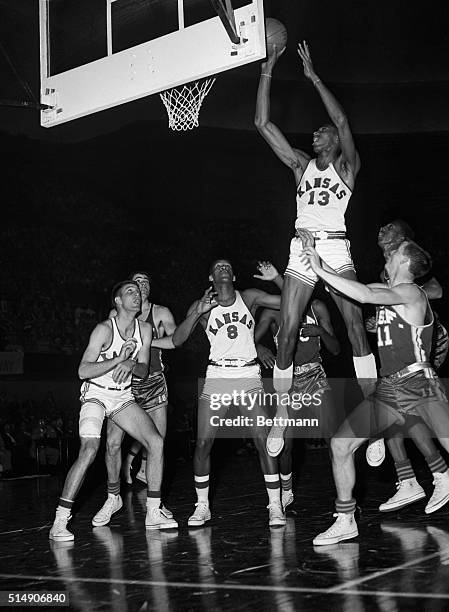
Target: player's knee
x=260, y=443
x=154, y=445
x=286, y=343
x=88, y=449
x=113, y=447
x=203, y=446
x=339, y=448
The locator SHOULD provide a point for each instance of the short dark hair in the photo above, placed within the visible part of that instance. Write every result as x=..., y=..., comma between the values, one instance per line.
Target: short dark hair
x=117, y=290
x=405, y=228
x=142, y=273
x=420, y=260
x=214, y=263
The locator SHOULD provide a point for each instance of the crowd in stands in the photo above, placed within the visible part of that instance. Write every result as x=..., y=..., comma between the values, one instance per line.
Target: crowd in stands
x=35, y=437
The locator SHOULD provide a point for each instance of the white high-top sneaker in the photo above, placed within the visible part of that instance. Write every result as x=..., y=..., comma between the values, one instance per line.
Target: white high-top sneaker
x=440, y=494
x=408, y=491
x=59, y=531
x=201, y=514
x=344, y=528
x=110, y=507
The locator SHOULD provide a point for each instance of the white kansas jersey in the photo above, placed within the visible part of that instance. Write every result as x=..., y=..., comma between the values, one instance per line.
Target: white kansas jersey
x=230, y=330
x=322, y=198
x=113, y=350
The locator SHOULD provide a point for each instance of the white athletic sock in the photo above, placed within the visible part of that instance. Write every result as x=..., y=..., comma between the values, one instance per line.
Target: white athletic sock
x=153, y=502
x=202, y=488
x=63, y=512
x=282, y=379
x=273, y=485
x=365, y=367
x=366, y=372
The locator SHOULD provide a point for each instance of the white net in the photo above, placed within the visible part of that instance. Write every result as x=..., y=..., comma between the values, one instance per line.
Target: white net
x=183, y=105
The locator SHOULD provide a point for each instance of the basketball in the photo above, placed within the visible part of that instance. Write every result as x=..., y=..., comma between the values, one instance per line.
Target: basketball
x=275, y=34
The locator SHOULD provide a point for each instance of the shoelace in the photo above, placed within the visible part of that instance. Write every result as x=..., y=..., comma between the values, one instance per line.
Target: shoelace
x=437, y=480
x=62, y=519
x=201, y=507
x=333, y=528
x=275, y=506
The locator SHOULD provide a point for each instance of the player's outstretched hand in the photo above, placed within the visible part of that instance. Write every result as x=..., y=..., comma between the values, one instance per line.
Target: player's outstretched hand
x=123, y=371
x=272, y=58
x=207, y=301
x=265, y=356
x=305, y=236
x=304, y=54
x=128, y=348
x=310, y=330
x=267, y=271
x=311, y=258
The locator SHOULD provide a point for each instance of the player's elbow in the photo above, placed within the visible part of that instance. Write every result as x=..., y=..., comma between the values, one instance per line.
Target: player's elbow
x=261, y=124
x=82, y=371
x=341, y=121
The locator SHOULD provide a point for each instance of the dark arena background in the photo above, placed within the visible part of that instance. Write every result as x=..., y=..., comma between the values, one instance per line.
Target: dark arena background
x=86, y=202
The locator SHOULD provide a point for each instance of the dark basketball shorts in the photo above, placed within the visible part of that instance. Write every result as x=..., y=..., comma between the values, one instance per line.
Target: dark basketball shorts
x=394, y=401
x=309, y=379
x=150, y=393
x=311, y=392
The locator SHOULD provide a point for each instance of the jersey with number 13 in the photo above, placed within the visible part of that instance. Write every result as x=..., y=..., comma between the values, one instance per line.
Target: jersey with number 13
x=321, y=199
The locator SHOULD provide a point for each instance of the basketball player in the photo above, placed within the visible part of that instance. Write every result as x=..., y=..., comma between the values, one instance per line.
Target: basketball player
x=408, y=386
x=309, y=376
x=232, y=369
x=118, y=348
x=408, y=489
x=324, y=186
x=150, y=392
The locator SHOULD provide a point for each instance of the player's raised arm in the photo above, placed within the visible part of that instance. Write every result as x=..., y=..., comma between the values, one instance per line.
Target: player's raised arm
x=335, y=112
x=255, y=297
x=376, y=293
x=293, y=158
x=197, y=310
x=169, y=325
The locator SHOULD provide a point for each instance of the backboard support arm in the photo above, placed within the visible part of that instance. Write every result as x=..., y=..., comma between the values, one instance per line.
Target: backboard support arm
x=225, y=11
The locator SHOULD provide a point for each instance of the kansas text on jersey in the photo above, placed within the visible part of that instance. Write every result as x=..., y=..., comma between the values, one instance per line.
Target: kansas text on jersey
x=322, y=198
x=230, y=331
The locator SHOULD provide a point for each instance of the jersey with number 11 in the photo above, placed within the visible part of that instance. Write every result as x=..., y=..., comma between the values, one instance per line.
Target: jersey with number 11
x=321, y=199
x=400, y=343
x=230, y=330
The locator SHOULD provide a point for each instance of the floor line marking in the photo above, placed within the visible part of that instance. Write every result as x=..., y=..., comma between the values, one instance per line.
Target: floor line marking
x=225, y=587
x=389, y=570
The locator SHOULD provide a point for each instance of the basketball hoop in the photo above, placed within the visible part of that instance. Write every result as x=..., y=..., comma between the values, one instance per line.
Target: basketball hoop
x=183, y=105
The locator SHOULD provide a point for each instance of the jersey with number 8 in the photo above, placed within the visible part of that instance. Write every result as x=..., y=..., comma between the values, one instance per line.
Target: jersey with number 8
x=230, y=330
